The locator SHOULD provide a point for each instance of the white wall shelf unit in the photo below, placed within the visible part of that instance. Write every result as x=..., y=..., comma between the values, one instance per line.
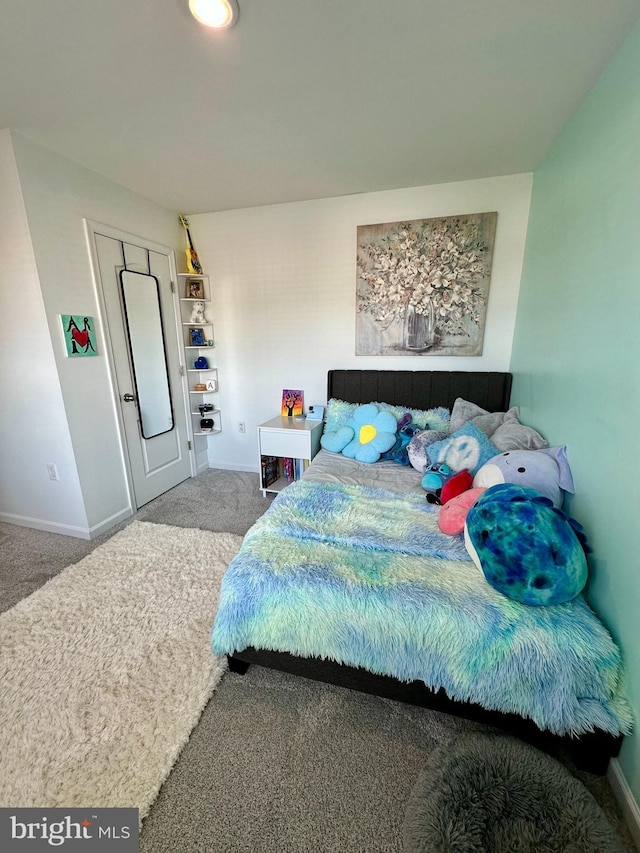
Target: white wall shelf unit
x=196, y=318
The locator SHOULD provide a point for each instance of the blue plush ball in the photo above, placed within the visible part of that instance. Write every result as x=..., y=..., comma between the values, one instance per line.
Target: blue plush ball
x=527, y=549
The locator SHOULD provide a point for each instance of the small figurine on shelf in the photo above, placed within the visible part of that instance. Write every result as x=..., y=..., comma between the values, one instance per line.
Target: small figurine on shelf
x=201, y=363
x=197, y=338
x=197, y=313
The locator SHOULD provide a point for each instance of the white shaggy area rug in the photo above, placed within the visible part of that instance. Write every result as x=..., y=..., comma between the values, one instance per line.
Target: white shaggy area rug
x=106, y=669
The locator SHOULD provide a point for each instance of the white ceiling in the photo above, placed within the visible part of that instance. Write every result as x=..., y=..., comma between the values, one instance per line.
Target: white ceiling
x=301, y=99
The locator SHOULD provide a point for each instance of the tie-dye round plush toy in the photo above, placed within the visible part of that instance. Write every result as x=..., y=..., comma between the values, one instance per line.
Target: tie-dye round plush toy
x=527, y=549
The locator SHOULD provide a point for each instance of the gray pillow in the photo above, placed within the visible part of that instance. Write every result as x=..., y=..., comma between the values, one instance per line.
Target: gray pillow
x=417, y=447
x=515, y=436
x=488, y=422
x=462, y=412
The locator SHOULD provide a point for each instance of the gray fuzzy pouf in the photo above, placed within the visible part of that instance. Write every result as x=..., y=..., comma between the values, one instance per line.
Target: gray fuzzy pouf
x=488, y=793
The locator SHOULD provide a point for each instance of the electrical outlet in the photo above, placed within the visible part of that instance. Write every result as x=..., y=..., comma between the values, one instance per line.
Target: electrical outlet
x=52, y=471
x=242, y=427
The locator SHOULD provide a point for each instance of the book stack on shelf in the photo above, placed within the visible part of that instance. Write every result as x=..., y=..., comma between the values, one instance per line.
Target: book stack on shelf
x=274, y=467
x=270, y=470
x=293, y=468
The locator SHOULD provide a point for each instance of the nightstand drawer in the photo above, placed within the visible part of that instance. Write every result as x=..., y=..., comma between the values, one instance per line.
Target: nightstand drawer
x=285, y=443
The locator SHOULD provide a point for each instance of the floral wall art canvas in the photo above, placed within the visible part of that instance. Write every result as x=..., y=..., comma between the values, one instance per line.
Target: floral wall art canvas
x=422, y=286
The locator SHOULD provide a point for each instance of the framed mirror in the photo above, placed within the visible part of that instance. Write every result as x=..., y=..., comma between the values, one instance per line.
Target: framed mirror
x=145, y=333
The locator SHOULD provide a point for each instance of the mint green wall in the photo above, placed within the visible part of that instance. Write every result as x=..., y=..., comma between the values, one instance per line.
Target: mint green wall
x=576, y=351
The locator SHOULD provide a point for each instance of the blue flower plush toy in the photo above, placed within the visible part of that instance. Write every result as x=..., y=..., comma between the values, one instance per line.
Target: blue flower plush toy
x=374, y=433
x=528, y=549
x=367, y=435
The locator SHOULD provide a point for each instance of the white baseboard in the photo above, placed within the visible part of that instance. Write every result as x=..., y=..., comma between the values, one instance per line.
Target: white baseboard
x=48, y=526
x=66, y=529
x=250, y=469
x=624, y=796
x=110, y=522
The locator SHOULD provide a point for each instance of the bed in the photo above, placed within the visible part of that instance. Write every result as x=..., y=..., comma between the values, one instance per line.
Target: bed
x=347, y=579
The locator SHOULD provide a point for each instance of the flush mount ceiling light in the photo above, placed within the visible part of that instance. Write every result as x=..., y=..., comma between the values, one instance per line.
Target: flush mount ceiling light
x=218, y=14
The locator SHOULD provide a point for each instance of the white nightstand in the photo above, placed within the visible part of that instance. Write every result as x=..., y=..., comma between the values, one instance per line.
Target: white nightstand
x=282, y=438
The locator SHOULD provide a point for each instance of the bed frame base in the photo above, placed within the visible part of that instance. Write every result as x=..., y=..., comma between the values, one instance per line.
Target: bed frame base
x=591, y=752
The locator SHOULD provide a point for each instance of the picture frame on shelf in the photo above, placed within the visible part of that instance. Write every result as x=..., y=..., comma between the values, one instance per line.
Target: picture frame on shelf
x=194, y=289
x=197, y=337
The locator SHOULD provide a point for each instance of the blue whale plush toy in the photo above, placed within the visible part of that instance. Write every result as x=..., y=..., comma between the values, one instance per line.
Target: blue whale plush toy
x=547, y=471
x=528, y=549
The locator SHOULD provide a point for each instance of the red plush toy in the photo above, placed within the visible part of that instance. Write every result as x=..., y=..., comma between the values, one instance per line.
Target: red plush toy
x=458, y=484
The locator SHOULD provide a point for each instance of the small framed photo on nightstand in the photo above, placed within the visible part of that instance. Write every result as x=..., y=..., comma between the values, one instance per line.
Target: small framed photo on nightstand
x=291, y=403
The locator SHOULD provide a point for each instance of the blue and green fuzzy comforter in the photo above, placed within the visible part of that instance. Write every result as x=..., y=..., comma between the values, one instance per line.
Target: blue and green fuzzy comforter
x=365, y=577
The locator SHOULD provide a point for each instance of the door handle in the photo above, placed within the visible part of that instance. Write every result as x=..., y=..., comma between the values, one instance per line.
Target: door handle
x=128, y=398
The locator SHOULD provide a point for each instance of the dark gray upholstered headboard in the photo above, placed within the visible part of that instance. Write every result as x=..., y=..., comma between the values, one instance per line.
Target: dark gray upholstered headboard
x=421, y=389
